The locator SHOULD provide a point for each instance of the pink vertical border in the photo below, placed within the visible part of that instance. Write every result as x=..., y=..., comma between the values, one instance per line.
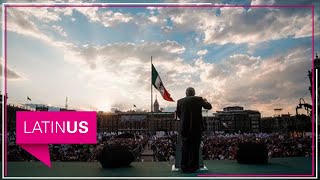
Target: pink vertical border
x=165, y=6
x=5, y=94
x=313, y=97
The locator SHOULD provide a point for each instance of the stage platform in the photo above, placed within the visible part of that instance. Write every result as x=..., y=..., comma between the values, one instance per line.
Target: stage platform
x=292, y=165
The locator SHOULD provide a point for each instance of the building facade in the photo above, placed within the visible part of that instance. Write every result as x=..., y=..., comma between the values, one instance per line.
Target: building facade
x=137, y=121
x=234, y=119
x=286, y=123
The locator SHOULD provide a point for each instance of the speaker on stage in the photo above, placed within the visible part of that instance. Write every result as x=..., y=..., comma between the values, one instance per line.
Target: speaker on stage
x=252, y=153
x=113, y=156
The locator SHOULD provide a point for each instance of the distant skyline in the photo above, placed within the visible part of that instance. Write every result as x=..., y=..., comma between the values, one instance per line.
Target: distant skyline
x=99, y=58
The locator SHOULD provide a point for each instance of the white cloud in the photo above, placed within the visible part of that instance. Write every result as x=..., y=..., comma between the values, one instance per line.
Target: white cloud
x=60, y=30
x=91, y=13
x=21, y=22
x=42, y=14
x=107, y=18
x=18, y=22
x=166, y=29
x=262, y=2
x=202, y=52
x=236, y=25
x=11, y=74
x=154, y=19
x=233, y=25
x=63, y=11
x=257, y=84
x=114, y=52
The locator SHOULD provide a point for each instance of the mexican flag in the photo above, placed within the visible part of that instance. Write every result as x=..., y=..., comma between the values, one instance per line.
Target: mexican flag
x=157, y=83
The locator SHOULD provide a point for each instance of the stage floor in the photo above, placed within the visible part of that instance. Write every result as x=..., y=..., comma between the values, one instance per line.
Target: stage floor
x=293, y=165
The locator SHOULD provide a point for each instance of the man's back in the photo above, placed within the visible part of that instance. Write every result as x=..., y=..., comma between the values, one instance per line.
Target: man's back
x=189, y=110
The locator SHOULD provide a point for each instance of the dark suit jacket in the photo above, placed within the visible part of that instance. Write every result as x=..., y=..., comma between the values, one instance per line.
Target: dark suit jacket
x=189, y=111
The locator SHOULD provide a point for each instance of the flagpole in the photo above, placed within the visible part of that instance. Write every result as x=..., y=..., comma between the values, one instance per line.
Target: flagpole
x=151, y=87
x=151, y=110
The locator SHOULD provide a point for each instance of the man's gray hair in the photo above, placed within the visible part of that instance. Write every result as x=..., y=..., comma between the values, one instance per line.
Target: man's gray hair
x=190, y=91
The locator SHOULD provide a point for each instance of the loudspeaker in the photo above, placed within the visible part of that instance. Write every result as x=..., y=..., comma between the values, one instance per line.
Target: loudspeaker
x=252, y=153
x=113, y=156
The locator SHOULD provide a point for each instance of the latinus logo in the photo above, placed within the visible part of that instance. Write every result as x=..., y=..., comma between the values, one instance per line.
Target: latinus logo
x=55, y=127
x=35, y=130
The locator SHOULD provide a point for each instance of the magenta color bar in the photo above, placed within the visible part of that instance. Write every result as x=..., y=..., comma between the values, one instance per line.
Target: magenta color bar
x=313, y=96
x=255, y=175
x=5, y=93
x=144, y=6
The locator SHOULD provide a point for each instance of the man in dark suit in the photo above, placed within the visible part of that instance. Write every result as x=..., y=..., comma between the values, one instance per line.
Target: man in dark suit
x=189, y=111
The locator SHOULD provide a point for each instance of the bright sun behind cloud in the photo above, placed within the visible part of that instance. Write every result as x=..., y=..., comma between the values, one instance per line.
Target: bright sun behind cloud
x=103, y=106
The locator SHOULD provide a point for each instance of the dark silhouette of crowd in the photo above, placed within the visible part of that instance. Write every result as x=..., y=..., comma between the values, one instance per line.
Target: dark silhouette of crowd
x=219, y=147
x=224, y=146
x=164, y=148
x=77, y=152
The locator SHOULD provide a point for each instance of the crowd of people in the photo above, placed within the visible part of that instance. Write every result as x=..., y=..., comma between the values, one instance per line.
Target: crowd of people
x=224, y=146
x=219, y=147
x=83, y=152
x=215, y=146
x=164, y=148
x=57, y=153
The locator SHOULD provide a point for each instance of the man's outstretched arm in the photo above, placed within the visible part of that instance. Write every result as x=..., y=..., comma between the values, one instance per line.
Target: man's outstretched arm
x=206, y=104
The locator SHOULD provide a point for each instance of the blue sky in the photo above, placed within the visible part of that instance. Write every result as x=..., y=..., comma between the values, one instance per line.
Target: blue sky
x=100, y=57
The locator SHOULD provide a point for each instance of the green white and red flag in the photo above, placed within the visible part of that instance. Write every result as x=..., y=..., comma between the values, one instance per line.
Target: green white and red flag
x=157, y=83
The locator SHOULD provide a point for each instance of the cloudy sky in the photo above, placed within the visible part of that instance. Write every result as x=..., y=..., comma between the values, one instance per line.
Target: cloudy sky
x=99, y=58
